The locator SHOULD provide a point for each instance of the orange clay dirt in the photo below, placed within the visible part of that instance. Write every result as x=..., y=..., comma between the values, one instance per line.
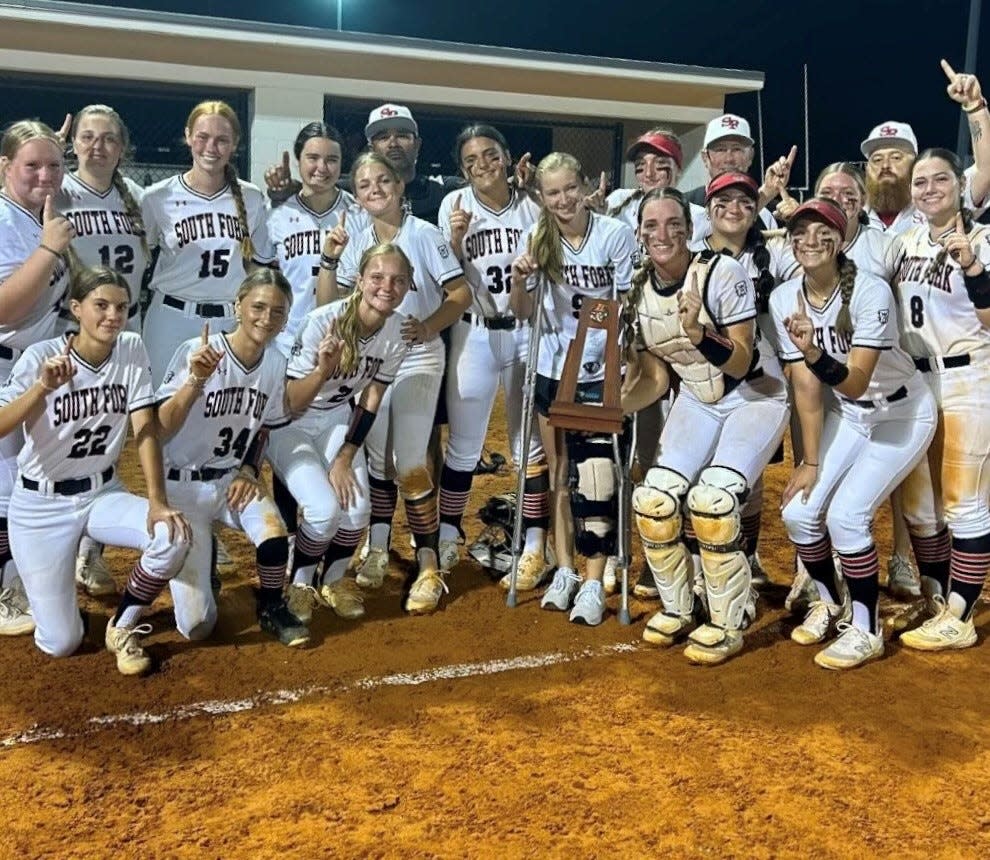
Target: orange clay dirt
x=604, y=748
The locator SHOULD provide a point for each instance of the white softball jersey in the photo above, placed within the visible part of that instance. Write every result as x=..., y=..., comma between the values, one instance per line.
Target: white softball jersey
x=20, y=235
x=874, y=319
x=600, y=264
x=297, y=233
x=236, y=402
x=434, y=266
x=199, y=239
x=937, y=316
x=875, y=251
x=104, y=233
x=380, y=356
x=84, y=426
x=490, y=245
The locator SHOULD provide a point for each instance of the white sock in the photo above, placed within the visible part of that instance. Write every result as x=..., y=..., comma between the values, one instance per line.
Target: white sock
x=449, y=532
x=131, y=616
x=380, y=535
x=861, y=616
x=536, y=539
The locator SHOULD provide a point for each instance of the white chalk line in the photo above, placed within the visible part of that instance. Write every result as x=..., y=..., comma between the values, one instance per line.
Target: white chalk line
x=278, y=698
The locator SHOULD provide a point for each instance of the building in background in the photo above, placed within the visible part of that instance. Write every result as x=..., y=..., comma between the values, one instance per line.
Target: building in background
x=153, y=66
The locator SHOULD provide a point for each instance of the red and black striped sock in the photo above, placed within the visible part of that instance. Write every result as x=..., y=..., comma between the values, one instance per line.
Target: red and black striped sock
x=5, y=554
x=338, y=554
x=423, y=517
x=309, y=550
x=455, y=488
x=862, y=573
x=536, y=497
x=750, y=524
x=968, y=569
x=141, y=590
x=818, y=561
x=271, y=559
x=932, y=557
x=384, y=499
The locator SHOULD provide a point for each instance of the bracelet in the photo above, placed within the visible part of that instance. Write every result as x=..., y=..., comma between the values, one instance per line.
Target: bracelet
x=977, y=106
x=44, y=247
x=329, y=263
x=806, y=463
x=196, y=381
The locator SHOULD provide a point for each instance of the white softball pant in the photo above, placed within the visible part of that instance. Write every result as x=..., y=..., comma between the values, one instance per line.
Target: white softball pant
x=741, y=431
x=862, y=456
x=166, y=327
x=10, y=445
x=952, y=484
x=44, y=532
x=301, y=454
x=402, y=428
x=479, y=361
x=203, y=503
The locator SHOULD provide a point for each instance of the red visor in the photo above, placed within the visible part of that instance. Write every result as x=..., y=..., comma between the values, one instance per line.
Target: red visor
x=659, y=143
x=821, y=210
x=732, y=180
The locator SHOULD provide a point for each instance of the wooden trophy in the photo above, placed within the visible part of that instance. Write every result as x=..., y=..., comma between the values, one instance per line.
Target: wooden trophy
x=604, y=417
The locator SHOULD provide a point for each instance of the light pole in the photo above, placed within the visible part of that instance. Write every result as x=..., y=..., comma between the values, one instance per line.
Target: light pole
x=340, y=16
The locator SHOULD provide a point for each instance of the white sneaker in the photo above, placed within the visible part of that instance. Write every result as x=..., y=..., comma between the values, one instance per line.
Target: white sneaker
x=371, y=572
x=561, y=591
x=93, y=576
x=125, y=644
x=609, y=581
x=709, y=645
x=449, y=554
x=15, y=613
x=903, y=582
x=344, y=598
x=944, y=632
x=301, y=599
x=529, y=575
x=426, y=591
x=853, y=648
x=589, y=605
x=819, y=621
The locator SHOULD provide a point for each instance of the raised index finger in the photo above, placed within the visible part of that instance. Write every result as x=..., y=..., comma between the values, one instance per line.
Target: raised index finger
x=950, y=73
x=960, y=224
x=457, y=202
x=68, y=344
x=801, y=307
x=791, y=156
x=694, y=284
x=285, y=161
x=205, y=335
x=343, y=220
x=49, y=211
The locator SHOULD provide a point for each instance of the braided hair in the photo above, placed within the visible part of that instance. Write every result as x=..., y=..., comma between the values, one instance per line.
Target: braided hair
x=646, y=269
x=222, y=109
x=131, y=207
x=847, y=282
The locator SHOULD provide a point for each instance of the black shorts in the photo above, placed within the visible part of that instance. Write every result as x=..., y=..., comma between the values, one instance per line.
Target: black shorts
x=545, y=392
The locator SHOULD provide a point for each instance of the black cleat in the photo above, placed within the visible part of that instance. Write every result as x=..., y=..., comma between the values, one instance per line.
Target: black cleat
x=276, y=620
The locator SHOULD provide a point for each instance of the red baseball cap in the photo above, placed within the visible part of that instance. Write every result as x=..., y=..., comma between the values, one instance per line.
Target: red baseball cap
x=661, y=143
x=820, y=209
x=732, y=179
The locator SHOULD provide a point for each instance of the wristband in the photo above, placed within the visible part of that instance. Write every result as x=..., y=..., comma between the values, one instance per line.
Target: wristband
x=44, y=247
x=716, y=349
x=978, y=289
x=828, y=370
x=329, y=263
x=978, y=106
x=357, y=430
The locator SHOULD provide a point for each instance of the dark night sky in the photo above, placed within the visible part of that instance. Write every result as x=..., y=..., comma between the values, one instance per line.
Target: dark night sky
x=868, y=61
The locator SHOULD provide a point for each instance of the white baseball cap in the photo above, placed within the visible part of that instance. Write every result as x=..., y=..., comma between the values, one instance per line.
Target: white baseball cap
x=727, y=125
x=390, y=116
x=888, y=133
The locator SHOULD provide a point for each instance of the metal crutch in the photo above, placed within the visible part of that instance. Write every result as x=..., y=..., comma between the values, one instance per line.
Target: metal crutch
x=528, y=408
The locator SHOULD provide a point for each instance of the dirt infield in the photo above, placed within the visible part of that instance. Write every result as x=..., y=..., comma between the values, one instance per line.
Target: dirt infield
x=483, y=731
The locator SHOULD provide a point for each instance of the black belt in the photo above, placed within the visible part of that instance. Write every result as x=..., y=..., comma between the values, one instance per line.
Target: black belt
x=71, y=487
x=196, y=474
x=6, y=352
x=204, y=309
x=900, y=394
x=925, y=364
x=499, y=323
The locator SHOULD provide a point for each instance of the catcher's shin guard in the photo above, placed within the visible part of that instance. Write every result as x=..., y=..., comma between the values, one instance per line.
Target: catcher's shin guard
x=714, y=503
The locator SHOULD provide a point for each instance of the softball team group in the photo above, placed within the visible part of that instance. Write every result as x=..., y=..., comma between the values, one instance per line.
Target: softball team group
x=328, y=329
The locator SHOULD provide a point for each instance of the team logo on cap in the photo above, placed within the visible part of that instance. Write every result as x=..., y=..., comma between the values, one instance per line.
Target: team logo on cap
x=729, y=122
x=387, y=111
x=888, y=131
